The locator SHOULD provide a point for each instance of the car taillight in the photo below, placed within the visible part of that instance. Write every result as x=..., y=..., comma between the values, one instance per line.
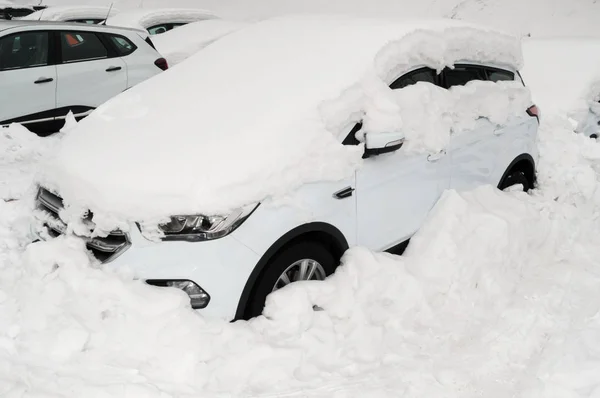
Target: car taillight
x=162, y=63
x=533, y=111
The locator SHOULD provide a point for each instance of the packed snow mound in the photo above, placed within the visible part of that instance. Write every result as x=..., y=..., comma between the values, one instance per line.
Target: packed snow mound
x=144, y=18
x=21, y=153
x=178, y=44
x=262, y=132
x=564, y=77
x=67, y=13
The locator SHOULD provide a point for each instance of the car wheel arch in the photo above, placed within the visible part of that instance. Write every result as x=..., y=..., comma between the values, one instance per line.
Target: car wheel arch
x=317, y=231
x=524, y=162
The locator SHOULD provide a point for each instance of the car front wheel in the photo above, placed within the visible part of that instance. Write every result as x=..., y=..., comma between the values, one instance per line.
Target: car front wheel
x=301, y=261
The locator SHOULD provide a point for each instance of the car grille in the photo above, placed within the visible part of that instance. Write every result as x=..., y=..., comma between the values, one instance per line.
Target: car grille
x=104, y=249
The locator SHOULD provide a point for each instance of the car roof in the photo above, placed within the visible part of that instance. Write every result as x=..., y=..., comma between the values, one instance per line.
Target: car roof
x=14, y=23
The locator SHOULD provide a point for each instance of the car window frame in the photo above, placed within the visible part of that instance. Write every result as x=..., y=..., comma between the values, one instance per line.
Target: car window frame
x=58, y=39
x=51, y=58
x=351, y=139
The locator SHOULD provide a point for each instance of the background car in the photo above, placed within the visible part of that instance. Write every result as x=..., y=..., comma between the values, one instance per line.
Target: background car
x=159, y=20
x=81, y=14
x=48, y=69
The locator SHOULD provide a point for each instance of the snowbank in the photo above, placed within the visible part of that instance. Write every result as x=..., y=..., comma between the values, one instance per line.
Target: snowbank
x=496, y=296
x=178, y=44
x=67, y=13
x=144, y=18
x=267, y=127
x=21, y=152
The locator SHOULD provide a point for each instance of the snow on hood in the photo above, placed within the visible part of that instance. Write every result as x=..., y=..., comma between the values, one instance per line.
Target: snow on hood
x=255, y=114
x=146, y=18
x=70, y=12
x=178, y=44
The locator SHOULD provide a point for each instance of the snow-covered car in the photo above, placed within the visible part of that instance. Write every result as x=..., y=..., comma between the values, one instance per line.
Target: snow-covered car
x=50, y=68
x=10, y=10
x=177, y=45
x=284, y=143
x=81, y=14
x=159, y=20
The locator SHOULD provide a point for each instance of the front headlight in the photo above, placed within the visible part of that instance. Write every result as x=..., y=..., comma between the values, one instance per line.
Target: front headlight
x=198, y=227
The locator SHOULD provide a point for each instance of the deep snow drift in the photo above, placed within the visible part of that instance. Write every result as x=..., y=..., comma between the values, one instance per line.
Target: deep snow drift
x=496, y=296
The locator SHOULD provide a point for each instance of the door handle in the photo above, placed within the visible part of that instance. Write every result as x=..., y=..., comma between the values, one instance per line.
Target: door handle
x=343, y=193
x=43, y=80
x=434, y=157
x=113, y=68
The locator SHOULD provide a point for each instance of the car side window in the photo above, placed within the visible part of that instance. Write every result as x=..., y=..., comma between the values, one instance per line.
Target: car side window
x=462, y=74
x=90, y=21
x=419, y=75
x=24, y=50
x=496, y=75
x=123, y=45
x=81, y=46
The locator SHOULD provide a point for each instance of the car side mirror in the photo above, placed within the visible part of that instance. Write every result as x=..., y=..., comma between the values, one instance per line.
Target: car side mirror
x=379, y=143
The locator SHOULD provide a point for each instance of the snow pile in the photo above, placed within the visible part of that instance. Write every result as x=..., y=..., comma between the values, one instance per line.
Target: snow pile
x=427, y=114
x=21, y=152
x=146, y=18
x=255, y=138
x=67, y=13
x=178, y=44
x=496, y=296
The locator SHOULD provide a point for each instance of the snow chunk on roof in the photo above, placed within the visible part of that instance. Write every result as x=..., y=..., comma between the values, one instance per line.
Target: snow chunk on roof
x=146, y=18
x=255, y=114
x=67, y=13
x=178, y=44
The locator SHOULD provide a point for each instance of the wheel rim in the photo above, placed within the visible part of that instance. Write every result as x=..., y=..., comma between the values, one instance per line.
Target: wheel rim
x=302, y=270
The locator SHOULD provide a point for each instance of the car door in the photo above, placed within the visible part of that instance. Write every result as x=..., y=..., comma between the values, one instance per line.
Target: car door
x=396, y=191
x=27, y=79
x=90, y=72
x=472, y=152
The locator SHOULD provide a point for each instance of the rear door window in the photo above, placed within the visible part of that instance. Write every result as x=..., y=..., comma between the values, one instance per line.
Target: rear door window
x=81, y=46
x=419, y=75
x=24, y=50
x=462, y=74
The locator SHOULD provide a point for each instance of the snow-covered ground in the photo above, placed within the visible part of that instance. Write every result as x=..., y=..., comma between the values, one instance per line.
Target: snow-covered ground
x=496, y=296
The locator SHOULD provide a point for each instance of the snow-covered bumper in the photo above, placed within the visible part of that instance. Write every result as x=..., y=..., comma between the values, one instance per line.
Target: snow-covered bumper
x=220, y=267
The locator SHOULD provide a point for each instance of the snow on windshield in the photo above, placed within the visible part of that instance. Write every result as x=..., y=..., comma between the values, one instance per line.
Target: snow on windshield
x=146, y=18
x=214, y=134
x=178, y=44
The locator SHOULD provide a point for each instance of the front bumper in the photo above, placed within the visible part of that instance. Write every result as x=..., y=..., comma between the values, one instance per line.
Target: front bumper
x=221, y=267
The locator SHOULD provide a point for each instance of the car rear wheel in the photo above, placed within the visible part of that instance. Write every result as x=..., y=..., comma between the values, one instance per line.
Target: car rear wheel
x=301, y=261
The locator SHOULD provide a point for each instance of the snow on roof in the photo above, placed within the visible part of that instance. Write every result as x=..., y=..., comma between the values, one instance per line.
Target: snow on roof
x=178, y=44
x=146, y=18
x=66, y=13
x=255, y=114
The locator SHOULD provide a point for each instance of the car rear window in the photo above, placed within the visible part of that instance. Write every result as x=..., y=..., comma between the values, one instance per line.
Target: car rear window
x=497, y=75
x=123, y=45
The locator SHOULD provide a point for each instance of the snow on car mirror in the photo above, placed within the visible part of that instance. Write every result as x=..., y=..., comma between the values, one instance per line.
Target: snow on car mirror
x=378, y=143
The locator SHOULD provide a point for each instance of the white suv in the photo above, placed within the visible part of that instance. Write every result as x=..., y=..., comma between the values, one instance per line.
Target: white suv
x=193, y=193
x=48, y=69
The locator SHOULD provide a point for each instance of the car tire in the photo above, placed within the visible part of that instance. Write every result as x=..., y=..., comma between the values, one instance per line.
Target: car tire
x=282, y=262
x=515, y=178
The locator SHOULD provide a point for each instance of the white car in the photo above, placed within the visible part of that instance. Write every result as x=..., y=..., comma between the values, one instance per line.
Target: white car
x=80, y=14
x=48, y=69
x=159, y=20
x=269, y=161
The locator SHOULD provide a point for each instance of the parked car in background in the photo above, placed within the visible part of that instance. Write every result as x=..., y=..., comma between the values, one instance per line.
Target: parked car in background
x=49, y=68
x=9, y=10
x=159, y=20
x=81, y=14
x=249, y=177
